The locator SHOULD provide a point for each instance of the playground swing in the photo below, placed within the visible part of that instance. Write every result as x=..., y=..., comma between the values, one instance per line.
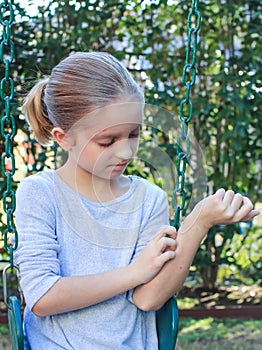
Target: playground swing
x=167, y=316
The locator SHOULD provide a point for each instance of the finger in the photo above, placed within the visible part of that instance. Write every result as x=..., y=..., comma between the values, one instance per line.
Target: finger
x=172, y=235
x=250, y=215
x=237, y=200
x=160, y=232
x=166, y=242
x=246, y=208
x=166, y=256
x=229, y=196
x=173, y=246
x=164, y=230
x=170, y=231
x=220, y=193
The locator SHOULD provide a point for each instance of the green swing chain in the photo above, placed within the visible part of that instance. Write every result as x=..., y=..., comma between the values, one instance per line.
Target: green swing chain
x=8, y=131
x=183, y=142
x=167, y=317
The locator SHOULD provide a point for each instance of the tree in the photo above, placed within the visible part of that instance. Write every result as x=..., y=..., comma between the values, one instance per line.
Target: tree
x=151, y=39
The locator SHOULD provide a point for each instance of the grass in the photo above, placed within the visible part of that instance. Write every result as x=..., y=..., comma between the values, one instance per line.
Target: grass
x=219, y=334
x=208, y=334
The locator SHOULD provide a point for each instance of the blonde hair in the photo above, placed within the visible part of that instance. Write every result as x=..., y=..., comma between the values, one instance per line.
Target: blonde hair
x=78, y=85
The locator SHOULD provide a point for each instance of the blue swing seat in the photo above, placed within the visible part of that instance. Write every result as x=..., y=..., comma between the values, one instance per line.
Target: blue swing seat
x=15, y=323
x=167, y=325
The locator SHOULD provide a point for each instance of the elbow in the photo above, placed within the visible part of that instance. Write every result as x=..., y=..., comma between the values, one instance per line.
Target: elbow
x=153, y=303
x=148, y=305
x=146, y=300
x=154, y=307
x=40, y=310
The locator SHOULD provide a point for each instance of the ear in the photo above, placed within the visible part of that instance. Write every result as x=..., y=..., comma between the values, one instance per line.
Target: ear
x=65, y=141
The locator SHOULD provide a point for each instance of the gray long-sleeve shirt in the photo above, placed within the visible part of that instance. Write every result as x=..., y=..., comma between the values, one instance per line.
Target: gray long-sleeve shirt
x=62, y=233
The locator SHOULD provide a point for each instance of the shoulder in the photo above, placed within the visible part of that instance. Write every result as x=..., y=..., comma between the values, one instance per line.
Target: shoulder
x=40, y=183
x=149, y=187
x=43, y=177
x=148, y=193
x=35, y=194
x=153, y=204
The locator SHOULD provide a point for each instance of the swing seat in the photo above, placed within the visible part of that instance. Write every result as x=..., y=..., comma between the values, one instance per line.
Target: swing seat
x=15, y=323
x=167, y=325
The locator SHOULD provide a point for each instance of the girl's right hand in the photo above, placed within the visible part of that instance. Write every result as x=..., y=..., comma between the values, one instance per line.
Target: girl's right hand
x=154, y=256
x=223, y=207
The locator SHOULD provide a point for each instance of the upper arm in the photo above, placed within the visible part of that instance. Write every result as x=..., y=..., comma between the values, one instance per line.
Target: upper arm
x=156, y=216
x=37, y=252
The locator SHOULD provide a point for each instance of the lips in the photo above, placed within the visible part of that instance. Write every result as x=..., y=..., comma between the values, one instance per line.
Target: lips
x=122, y=164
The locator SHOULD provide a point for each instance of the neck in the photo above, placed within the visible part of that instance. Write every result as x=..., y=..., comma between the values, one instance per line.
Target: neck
x=93, y=187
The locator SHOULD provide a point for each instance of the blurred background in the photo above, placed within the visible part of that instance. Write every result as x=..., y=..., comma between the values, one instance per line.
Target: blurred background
x=150, y=38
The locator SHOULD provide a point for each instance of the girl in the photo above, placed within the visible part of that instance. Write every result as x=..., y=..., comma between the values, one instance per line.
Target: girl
x=96, y=254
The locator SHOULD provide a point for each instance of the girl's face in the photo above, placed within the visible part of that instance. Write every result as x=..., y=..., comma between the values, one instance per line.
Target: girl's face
x=106, y=141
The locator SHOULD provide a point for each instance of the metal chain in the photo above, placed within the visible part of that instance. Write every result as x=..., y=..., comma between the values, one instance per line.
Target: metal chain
x=8, y=131
x=8, y=127
x=183, y=142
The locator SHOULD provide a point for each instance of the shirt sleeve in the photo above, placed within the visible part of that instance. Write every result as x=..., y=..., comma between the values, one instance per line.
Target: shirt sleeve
x=37, y=252
x=156, y=215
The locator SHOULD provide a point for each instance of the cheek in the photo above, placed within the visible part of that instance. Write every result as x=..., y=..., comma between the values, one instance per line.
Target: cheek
x=97, y=155
x=88, y=154
x=134, y=143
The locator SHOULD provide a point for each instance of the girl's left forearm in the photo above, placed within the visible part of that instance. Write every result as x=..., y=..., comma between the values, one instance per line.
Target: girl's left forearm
x=223, y=207
x=153, y=295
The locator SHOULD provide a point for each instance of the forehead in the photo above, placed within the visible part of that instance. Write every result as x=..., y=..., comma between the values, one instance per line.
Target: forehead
x=113, y=117
x=121, y=130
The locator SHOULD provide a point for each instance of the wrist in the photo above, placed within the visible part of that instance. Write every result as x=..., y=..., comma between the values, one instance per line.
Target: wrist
x=134, y=275
x=195, y=223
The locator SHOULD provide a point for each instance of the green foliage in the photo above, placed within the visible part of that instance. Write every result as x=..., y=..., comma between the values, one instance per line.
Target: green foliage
x=244, y=256
x=230, y=253
x=150, y=38
x=3, y=330
x=208, y=257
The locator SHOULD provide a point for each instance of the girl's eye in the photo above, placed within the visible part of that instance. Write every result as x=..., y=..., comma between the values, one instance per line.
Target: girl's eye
x=135, y=133
x=134, y=136
x=107, y=144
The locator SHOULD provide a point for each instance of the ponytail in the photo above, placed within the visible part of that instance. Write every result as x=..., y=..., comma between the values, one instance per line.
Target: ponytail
x=35, y=111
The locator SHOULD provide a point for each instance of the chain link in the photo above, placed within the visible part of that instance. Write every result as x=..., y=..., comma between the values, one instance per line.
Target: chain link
x=180, y=194
x=8, y=127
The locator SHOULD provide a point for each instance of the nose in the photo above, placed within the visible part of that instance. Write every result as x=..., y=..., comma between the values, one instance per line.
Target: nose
x=125, y=149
